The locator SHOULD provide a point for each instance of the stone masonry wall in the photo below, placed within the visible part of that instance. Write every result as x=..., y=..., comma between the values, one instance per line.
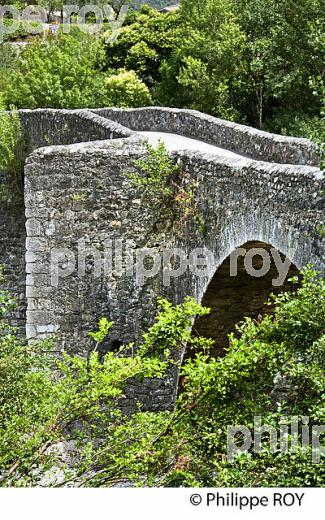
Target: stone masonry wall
x=245, y=201
x=83, y=192
x=12, y=255
x=78, y=194
x=48, y=127
x=238, y=138
x=41, y=127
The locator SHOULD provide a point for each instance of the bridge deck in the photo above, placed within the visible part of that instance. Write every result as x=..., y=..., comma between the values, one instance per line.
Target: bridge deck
x=175, y=142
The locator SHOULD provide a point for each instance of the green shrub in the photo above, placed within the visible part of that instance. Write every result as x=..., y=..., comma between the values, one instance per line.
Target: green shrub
x=11, y=149
x=45, y=400
x=8, y=58
x=288, y=346
x=21, y=31
x=188, y=447
x=155, y=174
x=165, y=185
x=183, y=447
x=125, y=89
x=60, y=72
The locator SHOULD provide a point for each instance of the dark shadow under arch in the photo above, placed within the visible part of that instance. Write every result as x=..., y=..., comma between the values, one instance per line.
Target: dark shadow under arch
x=232, y=298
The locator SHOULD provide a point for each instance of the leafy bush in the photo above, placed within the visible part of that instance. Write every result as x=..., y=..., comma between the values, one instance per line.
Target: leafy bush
x=46, y=400
x=11, y=148
x=60, y=72
x=164, y=184
x=8, y=57
x=21, y=31
x=65, y=71
x=155, y=174
x=125, y=89
x=274, y=368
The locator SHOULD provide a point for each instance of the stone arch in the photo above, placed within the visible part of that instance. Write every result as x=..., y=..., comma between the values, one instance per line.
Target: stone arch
x=257, y=226
x=235, y=291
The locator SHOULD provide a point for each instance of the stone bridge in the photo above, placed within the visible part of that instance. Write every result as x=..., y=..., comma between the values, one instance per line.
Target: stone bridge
x=95, y=246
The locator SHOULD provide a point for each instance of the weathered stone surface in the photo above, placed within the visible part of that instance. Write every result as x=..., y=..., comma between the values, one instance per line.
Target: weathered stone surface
x=12, y=256
x=238, y=138
x=48, y=127
x=78, y=196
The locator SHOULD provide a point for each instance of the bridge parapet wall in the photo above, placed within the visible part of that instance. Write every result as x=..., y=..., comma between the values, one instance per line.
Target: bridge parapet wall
x=50, y=127
x=41, y=127
x=242, y=139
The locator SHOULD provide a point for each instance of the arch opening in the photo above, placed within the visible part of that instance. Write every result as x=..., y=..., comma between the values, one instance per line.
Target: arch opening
x=231, y=297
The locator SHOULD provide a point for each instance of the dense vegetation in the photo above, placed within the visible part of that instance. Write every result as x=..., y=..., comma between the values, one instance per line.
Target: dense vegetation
x=274, y=368
x=11, y=156
x=257, y=62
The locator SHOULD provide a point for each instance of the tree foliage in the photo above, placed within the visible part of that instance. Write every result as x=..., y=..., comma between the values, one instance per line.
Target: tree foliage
x=61, y=72
x=206, y=69
x=285, y=44
x=148, y=38
x=10, y=152
x=273, y=368
x=252, y=61
x=46, y=399
x=125, y=89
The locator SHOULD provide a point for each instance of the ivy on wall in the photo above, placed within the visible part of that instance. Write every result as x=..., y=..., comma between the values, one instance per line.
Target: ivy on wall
x=11, y=154
x=166, y=186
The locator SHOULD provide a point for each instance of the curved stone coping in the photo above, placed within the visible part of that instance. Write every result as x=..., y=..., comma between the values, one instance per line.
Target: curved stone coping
x=48, y=127
x=79, y=131
x=131, y=145
x=238, y=138
x=310, y=179
x=298, y=171
x=176, y=142
x=118, y=130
